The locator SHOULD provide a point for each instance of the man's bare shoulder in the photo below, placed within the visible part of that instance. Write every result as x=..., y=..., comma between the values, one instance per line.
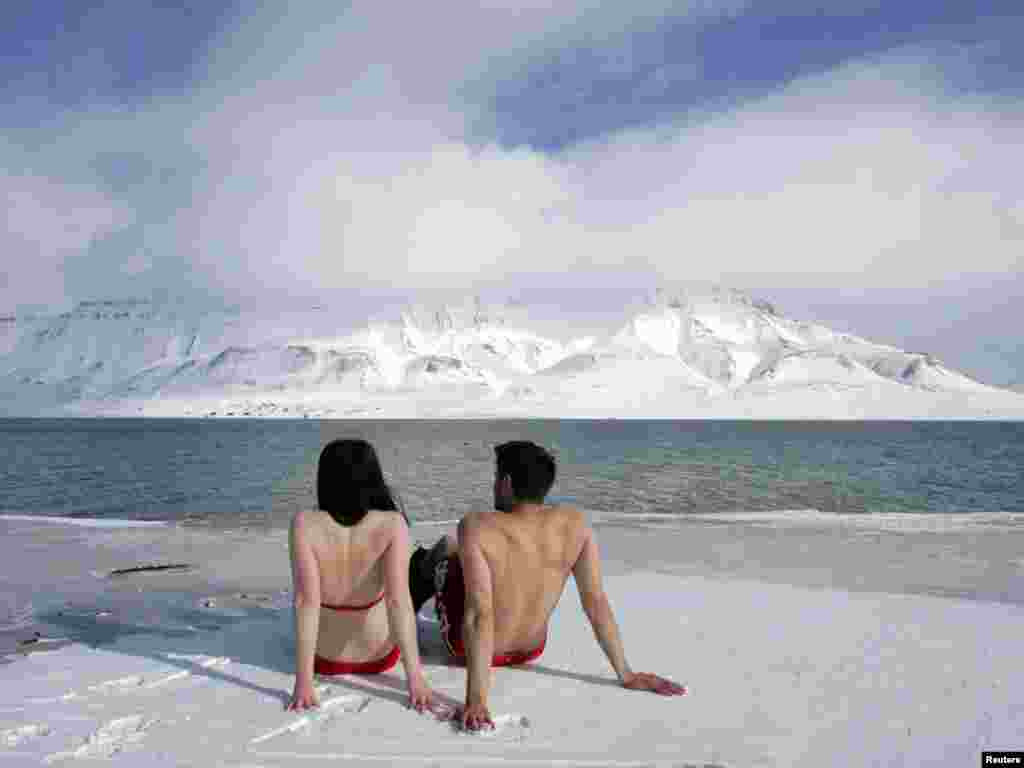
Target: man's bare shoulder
x=574, y=517
x=477, y=519
x=488, y=525
x=478, y=525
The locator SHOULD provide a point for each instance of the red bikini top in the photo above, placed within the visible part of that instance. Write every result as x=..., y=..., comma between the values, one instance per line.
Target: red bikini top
x=366, y=607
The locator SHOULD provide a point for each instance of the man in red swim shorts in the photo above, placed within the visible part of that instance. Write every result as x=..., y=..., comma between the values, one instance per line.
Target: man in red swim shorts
x=496, y=588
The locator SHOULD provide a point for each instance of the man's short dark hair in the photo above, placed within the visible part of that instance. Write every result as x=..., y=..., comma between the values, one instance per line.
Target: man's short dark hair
x=531, y=468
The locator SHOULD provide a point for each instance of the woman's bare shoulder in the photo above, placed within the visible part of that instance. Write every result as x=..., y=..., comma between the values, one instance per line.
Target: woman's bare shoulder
x=384, y=519
x=308, y=522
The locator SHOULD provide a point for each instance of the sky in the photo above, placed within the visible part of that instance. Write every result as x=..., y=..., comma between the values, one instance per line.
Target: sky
x=857, y=163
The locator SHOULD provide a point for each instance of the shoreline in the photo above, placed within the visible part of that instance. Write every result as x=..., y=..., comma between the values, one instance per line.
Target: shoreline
x=315, y=414
x=95, y=570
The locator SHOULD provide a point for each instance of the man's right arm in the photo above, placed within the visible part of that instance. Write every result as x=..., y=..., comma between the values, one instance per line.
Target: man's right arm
x=587, y=572
x=477, y=624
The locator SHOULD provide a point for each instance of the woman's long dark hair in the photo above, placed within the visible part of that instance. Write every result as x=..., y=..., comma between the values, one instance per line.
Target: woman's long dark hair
x=349, y=482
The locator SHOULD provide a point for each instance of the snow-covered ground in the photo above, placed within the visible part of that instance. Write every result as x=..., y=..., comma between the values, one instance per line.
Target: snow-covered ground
x=808, y=648
x=712, y=353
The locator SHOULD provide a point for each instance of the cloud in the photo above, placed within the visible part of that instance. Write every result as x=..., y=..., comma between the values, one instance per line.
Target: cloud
x=873, y=173
x=48, y=222
x=349, y=151
x=321, y=154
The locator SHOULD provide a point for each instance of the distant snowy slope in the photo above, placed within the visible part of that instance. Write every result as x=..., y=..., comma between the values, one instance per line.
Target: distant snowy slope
x=688, y=352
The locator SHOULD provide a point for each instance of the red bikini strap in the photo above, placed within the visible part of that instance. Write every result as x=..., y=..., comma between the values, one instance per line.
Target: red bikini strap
x=366, y=607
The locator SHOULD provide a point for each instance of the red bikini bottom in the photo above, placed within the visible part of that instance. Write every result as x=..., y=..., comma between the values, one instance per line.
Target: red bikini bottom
x=322, y=666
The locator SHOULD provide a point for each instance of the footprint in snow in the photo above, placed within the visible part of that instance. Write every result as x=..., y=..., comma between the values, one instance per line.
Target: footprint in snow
x=109, y=739
x=328, y=710
x=21, y=734
x=118, y=684
x=506, y=728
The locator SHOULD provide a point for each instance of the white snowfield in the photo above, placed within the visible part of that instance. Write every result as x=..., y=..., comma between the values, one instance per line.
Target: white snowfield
x=689, y=353
x=779, y=672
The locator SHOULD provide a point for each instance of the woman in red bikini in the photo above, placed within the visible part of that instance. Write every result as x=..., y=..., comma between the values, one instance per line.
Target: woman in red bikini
x=350, y=561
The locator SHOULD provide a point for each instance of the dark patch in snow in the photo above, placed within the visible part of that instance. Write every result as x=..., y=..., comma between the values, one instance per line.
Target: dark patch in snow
x=297, y=358
x=232, y=355
x=435, y=364
x=151, y=569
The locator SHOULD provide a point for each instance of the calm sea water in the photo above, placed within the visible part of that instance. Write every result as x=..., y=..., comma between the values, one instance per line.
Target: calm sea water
x=228, y=473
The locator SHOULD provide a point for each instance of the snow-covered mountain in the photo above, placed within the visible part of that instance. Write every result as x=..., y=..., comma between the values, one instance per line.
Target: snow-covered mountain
x=686, y=353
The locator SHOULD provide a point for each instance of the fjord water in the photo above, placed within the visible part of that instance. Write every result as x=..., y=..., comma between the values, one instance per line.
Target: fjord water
x=235, y=473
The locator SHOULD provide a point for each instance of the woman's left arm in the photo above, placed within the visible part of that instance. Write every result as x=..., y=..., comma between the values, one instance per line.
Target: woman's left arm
x=306, y=586
x=401, y=616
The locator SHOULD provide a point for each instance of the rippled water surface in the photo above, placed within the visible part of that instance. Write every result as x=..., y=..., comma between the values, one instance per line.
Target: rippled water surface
x=249, y=472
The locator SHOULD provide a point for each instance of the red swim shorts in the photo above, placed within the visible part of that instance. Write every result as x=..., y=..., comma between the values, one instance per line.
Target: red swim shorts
x=451, y=606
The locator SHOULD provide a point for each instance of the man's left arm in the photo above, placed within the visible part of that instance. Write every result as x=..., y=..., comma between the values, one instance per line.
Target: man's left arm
x=477, y=625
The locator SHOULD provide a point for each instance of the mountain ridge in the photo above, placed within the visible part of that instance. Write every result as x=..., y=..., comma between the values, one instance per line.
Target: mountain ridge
x=684, y=352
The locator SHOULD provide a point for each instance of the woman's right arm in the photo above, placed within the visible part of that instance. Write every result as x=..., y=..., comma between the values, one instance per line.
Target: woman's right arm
x=306, y=587
x=401, y=616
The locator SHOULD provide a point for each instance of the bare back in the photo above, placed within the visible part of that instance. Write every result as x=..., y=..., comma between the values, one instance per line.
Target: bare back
x=530, y=554
x=350, y=568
